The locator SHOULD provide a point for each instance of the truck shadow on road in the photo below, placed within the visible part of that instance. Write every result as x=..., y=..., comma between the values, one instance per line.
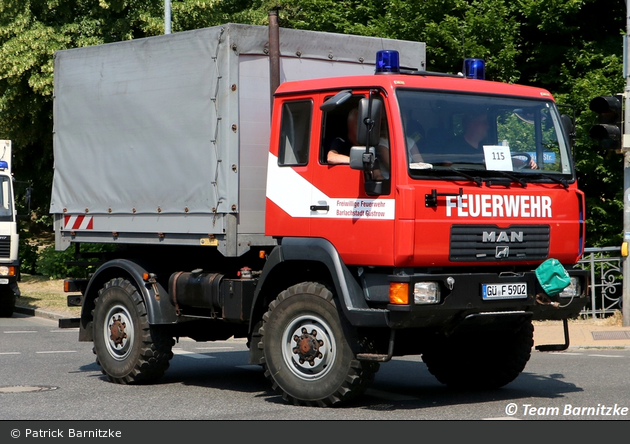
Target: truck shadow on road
x=420, y=389
x=399, y=384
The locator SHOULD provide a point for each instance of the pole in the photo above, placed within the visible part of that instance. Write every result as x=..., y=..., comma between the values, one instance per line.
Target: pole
x=167, y=16
x=626, y=233
x=274, y=53
x=625, y=149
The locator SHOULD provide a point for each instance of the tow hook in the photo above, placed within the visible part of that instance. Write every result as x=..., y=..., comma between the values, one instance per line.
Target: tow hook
x=542, y=299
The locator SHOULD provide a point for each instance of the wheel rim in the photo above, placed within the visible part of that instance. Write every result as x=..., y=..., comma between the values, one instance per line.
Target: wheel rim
x=309, y=348
x=118, y=332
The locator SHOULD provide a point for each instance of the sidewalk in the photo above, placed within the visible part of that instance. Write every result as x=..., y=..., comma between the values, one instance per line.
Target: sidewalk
x=582, y=334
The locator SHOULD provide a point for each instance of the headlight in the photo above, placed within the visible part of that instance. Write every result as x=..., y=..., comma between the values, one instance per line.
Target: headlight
x=572, y=290
x=4, y=270
x=426, y=293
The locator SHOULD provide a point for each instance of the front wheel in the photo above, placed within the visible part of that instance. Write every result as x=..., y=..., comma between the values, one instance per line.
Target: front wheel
x=307, y=349
x=127, y=348
x=481, y=359
x=7, y=302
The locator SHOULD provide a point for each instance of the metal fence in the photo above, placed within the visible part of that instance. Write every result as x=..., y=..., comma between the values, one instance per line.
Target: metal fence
x=606, y=278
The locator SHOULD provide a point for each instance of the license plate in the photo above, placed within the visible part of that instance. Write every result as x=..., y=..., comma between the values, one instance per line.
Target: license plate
x=512, y=290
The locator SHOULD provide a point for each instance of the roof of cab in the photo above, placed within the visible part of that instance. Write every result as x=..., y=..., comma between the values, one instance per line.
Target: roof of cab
x=432, y=82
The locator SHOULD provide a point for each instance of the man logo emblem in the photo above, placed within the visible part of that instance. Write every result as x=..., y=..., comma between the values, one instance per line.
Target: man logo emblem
x=502, y=252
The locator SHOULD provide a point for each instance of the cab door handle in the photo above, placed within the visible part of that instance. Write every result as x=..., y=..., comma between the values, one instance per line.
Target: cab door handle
x=320, y=207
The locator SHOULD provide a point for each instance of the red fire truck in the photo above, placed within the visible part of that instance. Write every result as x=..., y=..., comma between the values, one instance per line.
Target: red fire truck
x=423, y=236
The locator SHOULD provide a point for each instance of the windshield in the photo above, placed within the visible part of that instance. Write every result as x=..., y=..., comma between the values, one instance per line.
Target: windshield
x=6, y=199
x=458, y=132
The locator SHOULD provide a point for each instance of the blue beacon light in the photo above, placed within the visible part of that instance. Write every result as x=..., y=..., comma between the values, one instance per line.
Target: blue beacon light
x=475, y=69
x=387, y=62
x=4, y=165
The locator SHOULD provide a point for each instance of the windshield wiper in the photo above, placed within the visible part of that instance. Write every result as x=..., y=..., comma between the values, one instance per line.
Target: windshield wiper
x=561, y=181
x=475, y=179
x=479, y=181
x=509, y=176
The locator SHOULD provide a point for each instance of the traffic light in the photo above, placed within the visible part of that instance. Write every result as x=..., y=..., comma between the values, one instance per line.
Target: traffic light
x=609, y=129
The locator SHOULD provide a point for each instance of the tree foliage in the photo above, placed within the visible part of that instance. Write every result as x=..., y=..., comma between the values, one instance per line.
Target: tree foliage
x=548, y=43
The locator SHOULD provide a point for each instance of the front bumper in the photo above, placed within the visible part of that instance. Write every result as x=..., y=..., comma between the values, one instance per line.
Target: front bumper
x=461, y=300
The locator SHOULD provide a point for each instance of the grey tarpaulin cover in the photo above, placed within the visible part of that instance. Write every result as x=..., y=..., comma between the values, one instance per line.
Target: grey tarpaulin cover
x=112, y=112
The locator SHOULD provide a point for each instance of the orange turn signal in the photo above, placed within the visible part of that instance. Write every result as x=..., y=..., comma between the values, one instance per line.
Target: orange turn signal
x=399, y=293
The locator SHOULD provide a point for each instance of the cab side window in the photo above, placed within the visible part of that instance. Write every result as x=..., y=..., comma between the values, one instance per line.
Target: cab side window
x=335, y=129
x=295, y=132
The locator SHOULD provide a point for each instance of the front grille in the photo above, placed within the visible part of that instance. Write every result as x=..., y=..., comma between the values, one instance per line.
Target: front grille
x=483, y=243
x=5, y=246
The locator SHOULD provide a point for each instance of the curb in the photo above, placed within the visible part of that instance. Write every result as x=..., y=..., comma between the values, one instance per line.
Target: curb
x=39, y=313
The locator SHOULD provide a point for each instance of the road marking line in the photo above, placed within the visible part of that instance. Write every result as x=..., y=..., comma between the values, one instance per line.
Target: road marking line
x=57, y=351
x=214, y=348
x=608, y=356
x=564, y=353
x=189, y=354
x=24, y=331
x=10, y=353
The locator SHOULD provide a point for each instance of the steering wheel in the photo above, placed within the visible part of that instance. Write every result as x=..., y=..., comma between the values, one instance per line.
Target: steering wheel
x=523, y=160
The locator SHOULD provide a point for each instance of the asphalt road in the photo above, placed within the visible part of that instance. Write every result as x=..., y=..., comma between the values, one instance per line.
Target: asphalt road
x=46, y=374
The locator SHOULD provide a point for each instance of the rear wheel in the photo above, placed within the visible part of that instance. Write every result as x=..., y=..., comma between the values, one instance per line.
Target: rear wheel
x=127, y=348
x=308, y=349
x=481, y=360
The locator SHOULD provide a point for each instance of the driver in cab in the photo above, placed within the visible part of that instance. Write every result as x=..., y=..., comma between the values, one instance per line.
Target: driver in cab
x=468, y=145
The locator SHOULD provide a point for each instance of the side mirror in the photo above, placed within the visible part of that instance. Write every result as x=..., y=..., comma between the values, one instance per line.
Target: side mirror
x=369, y=120
x=27, y=204
x=356, y=157
x=569, y=128
x=357, y=162
x=27, y=198
x=336, y=100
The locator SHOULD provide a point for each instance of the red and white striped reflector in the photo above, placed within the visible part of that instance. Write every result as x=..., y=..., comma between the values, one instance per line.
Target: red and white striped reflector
x=77, y=223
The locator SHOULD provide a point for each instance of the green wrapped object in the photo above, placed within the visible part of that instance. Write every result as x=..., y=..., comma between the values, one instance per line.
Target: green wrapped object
x=552, y=276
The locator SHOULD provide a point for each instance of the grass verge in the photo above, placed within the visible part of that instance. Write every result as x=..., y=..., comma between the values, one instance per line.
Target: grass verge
x=46, y=294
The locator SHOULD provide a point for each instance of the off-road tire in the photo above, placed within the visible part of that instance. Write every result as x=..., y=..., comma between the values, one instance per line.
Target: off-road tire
x=336, y=376
x=481, y=361
x=127, y=348
x=7, y=302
